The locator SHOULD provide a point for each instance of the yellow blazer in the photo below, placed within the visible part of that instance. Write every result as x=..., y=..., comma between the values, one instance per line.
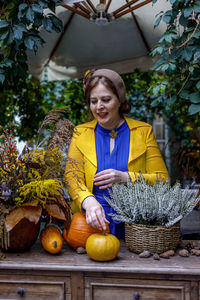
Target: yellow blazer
x=144, y=157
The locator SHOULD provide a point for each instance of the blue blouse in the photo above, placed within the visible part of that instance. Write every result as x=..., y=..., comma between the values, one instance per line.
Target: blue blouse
x=117, y=160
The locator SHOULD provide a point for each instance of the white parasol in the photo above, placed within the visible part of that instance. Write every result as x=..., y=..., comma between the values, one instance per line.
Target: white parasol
x=115, y=34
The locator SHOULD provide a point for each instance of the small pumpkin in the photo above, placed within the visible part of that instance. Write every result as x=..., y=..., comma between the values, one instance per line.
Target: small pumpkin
x=102, y=246
x=51, y=239
x=79, y=231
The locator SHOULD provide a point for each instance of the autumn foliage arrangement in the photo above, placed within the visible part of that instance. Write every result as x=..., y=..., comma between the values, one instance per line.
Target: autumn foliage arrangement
x=31, y=184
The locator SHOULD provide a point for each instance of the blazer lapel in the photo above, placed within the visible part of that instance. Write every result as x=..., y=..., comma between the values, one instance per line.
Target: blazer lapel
x=137, y=145
x=86, y=142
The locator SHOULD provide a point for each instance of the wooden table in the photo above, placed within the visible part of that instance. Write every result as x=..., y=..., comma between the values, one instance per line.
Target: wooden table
x=38, y=275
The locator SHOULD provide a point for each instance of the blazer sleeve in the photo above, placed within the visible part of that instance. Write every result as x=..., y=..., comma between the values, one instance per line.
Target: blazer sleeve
x=154, y=165
x=75, y=174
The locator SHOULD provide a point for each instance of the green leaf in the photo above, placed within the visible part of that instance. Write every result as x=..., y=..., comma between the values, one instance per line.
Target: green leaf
x=29, y=43
x=198, y=85
x=195, y=98
x=9, y=38
x=187, y=11
x=164, y=67
x=183, y=21
x=2, y=78
x=197, y=34
x=42, y=3
x=47, y=24
x=37, y=40
x=157, y=50
x=191, y=69
x=168, y=37
x=167, y=19
x=196, y=56
x=37, y=8
x=58, y=25
x=184, y=94
x=4, y=24
x=4, y=34
x=23, y=6
x=172, y=100
x=8, y=62
x=161, y=12
x=20, y=15
x=197, y=7
x=172, y=66
x=193, y=109
x=33, y=41
x=187, y=54
x=157, y=22
x=18, y=31
x=30, y=14
x=156, y=89
x=154, y=103
x=176, y=53
x=22, y=10
x=38, y=20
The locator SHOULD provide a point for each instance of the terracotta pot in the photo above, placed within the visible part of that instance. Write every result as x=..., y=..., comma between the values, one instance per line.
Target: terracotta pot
x=23, y=226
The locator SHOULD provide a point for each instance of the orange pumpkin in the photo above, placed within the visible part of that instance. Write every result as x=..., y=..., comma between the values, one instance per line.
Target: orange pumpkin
x=51, y=239
x=79, y=231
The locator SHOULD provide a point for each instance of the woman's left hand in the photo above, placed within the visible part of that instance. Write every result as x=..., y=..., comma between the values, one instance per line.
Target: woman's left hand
x=108, y=177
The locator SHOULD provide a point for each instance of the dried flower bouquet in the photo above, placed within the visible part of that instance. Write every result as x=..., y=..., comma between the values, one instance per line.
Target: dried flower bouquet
x=32, y=184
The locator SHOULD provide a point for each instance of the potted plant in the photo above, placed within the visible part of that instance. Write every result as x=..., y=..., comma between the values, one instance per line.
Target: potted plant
x=151, y=213
x=31, y=184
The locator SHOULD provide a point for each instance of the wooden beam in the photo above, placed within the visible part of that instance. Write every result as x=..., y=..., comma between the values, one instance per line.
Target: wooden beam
x=108, y=5
x=124, y=6
x=132, y=8
x=87, y=11
x=91, y=5
x=79, y=12
x=86, y=5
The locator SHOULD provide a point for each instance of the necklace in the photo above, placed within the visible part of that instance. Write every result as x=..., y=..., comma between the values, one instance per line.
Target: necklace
x=113, y=134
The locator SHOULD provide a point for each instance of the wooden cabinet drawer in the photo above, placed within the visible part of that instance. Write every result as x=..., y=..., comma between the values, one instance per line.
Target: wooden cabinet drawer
x=31, y=290
x=125, y=289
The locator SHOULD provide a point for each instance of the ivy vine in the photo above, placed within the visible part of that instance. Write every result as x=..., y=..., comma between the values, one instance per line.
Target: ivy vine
x=179, y=50
x=19, y=31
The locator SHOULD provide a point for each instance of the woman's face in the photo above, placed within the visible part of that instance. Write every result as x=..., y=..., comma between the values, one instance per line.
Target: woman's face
x=104, y=106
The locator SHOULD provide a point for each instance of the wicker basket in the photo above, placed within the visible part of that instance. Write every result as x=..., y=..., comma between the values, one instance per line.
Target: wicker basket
x=155, y=239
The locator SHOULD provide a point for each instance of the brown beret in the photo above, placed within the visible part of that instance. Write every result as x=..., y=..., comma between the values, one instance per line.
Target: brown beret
x=116, y=80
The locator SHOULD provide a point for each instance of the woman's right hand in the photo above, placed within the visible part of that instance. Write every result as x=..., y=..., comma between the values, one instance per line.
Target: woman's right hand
x=95, y=215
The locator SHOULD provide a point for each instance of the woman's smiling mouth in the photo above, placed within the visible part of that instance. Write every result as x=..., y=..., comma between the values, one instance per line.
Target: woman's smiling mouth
x=102, y=115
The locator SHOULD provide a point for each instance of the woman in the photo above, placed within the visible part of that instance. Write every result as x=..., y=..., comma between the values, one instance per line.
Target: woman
x=110, y=149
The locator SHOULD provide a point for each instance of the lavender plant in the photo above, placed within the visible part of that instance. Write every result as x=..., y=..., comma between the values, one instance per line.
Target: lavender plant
x=158, y=204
